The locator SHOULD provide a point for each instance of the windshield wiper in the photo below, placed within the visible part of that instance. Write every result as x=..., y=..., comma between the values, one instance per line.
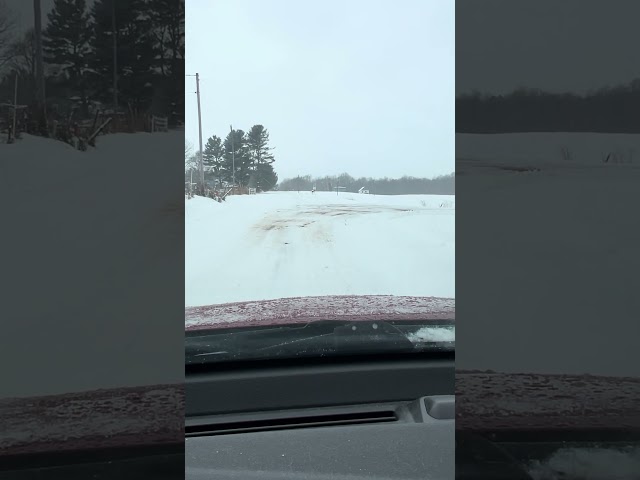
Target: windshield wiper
x=314, y=339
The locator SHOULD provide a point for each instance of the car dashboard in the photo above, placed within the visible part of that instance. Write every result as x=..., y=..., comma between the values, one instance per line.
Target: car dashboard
x=381, y=417
x=391, y=440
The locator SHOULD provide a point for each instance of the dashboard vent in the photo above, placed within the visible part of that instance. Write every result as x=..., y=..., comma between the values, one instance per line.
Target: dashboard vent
x=209, y=428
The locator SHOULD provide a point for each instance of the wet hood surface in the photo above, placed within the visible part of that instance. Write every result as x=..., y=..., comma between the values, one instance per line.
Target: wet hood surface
x=489, y=401
x=154, y=415
x=100, y=419
x=306, y=309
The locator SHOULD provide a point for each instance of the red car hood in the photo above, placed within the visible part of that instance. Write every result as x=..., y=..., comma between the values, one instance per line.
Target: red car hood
x=123, y=417
x=500, y=402
x=306, y=309
x=154, y=414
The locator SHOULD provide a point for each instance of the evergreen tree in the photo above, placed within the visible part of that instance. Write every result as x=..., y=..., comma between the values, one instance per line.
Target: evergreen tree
x=260, y=155
x=266, y=177
x=213, y=157
x=167, y=17
x=236, y=152
x=66, y=42
x=134, y=51
x=258, y=146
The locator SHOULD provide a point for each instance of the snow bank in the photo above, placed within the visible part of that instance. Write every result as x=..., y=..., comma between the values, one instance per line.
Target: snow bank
x=290, y=244
x=85, y=324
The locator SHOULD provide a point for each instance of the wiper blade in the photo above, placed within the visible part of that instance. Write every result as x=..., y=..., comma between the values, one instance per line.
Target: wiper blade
x=318, y=338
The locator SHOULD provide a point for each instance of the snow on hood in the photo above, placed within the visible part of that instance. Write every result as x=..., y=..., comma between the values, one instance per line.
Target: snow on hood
x=514, y=401
x=125, y=417
x=306, y=309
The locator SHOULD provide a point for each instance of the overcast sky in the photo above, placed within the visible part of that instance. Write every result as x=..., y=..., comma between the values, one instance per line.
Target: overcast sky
x=364, y=86
x=569, y=45
x=23, y=10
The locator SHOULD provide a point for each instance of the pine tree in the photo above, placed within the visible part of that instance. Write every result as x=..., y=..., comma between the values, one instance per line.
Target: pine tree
x=213, y=156
x=238, y=151
x=260, y=155
x=135, y=51
x=167, y=17
x=266, y=177
x=258, y=146
x=66, y=42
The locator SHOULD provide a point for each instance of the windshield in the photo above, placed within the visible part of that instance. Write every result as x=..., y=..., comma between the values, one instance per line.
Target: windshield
x=319, y=185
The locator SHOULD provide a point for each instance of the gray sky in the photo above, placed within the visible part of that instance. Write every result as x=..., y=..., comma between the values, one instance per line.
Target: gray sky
x=23, y=9
x=572, y=45
x=364, y=86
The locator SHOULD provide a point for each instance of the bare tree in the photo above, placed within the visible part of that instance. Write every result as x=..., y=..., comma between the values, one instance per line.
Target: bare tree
x=7, y=26
x=191, y=163
x=188, y=149
x=22, y=57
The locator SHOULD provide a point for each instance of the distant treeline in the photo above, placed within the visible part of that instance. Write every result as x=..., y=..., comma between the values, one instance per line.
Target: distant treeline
x=608, y=110
x=443, y=185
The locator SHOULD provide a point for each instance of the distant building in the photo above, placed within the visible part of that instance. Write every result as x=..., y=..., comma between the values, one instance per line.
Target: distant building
x=363, y=190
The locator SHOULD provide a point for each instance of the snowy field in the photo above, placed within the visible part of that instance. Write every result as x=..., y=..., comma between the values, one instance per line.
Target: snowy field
x=85, y=324
x=290, y=244
x=560, y=239
x=558, y=231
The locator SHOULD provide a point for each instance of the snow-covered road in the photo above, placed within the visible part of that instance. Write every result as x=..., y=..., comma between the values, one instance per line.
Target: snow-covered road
x=289, y=244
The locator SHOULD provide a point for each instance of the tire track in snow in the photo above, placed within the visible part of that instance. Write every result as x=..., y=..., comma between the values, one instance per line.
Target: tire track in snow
x=283, y=245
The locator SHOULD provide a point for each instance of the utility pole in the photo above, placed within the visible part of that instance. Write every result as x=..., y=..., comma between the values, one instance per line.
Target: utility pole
x=115, y=56
x=41, y=114
x=201, y=164
x=15, y=108
x=233, y=158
